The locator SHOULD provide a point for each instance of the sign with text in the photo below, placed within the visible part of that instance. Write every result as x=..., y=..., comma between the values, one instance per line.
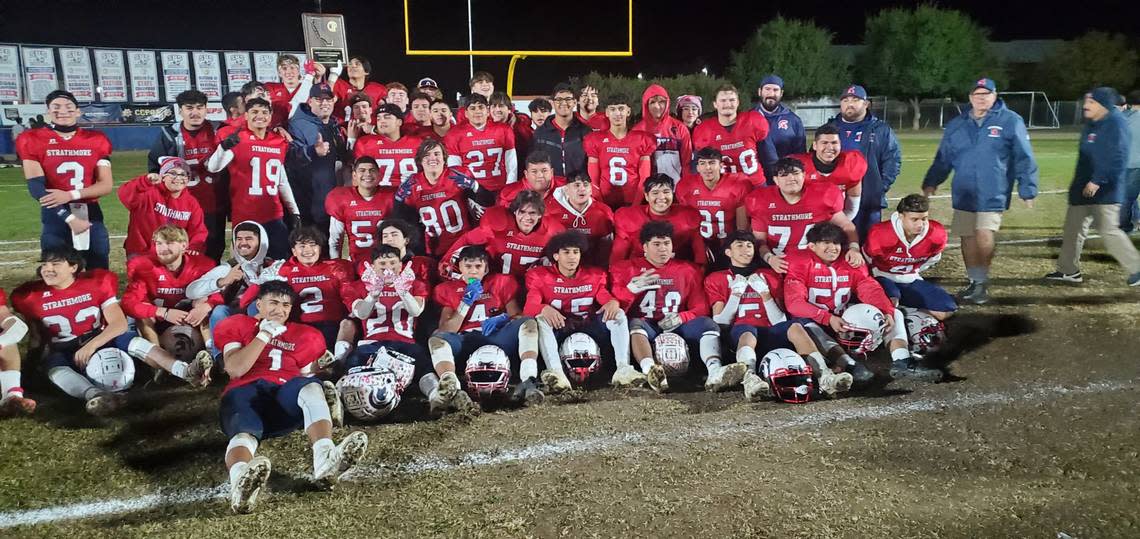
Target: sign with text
x=112, y=76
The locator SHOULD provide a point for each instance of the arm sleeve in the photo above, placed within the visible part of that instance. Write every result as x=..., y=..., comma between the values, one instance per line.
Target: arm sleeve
x=593, y=170
x=621, y=278
x=301, y=150
x=800, y=137
x=131, y=193
x=286, y=192
x=512, y=165
x=698, y=301
x=1024, y=164
x=336, y=233
x=206, y=284
x=871, y=292
x=301, y=95
x=940, y=169
x=220, y=159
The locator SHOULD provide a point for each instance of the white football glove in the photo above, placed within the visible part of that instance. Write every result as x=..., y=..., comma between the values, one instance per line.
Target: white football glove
x=670, y=322
x=273, y=329
x=271, y=273
x=335, y=72
x=640, y=284
x=738, y=285
x=758, y=283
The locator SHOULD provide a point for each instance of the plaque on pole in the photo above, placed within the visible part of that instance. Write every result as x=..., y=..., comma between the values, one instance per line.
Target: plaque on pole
x=325, y=41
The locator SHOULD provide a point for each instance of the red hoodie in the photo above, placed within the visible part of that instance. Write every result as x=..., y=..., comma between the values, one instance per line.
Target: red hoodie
x=151, y=206
x=674, y=147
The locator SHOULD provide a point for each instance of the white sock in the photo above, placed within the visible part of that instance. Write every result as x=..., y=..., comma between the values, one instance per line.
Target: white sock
x=710, y=348
x=73, y=383
x=428, y=383
x=528, y=368
x=815, y=359
x=898, y=332
x=236, y=470
x=712, y=364
x=747, y=356
x=548, y=346
x=321, y=449
x=8, y=380
x=900, y=354
x=179, y=369
x=646, y=363
x=619, y=338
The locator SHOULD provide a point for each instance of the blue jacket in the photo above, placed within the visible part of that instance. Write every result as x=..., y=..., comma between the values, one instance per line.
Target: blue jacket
x=874, y=139
x=311, y=176
x=1103, y=160
x=785, y=130
x=986, y=161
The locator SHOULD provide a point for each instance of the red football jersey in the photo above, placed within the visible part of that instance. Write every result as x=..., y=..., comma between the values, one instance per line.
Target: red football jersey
x=281, y=360
x=152, y=206
x=71, y=312
x=389, y=320
x=344, y=91
x=849, y=169
x=579, y=296
x=750, y=309
x=319, y=287
x=151, y=285
x=787, y=224
x=482, y=151
x=508, y=194
x=687, y=241
x=739, y=145
x=498, y=291
x=68, y=163
x=396, y=159
x=442, y=206
x=3, y=298
x=597, y=122
x=515, y=251
x=279, y=98
x=816, y=290
x=619, y=162
x=256, y=171
x=357, y=218
x=229, y=126
x=197, y=147
x=681, y=291
x=894, y=258
x=718, y=205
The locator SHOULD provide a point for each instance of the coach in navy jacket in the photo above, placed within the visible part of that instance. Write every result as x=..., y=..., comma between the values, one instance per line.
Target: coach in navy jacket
x=313, y=175
x=859, y=130
x=785, y=129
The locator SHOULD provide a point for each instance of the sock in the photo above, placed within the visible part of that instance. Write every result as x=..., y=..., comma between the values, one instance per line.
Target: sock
x=321, y=449
x=179, y=369
x=712, y=364
x=236, y=470
x=815, y=359
x=8, y=381
x=548, y=346
x=528, y=368
x=428, y=383
x=747, y=356
x=978, y=274
x=619, y=338
x=73, y=383
x=710, y=348
x=900, y=354
x=646, y=363
x=898, y=332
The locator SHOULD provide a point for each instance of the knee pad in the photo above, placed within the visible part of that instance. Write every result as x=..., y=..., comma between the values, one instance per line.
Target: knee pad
x=440, y=351
x=528, y=329
x=245, y=440
x=311, y=400
x=139, y=347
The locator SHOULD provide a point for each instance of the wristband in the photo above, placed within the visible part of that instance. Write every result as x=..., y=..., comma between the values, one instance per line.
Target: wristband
x=263, y=337
x=854, y=245
x=75, y=194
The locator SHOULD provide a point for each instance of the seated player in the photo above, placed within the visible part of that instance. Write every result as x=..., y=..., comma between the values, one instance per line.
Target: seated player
x=567, y=298
x=717, y=197
x=686, y=223
x=481, y=308
x=485, y=148
x=12, y=331
x=79, y=314
x=514, y=236
x=154, y=200
x=782, y=215
x=575, y=208
x=661, y=293
x=843, y=169
x=502, y=110
x=268, y=396
x=399, y=234
x=355, y=210
x=438, y=197
x=538, y=176
x=395, y=154
x=899, y=251
x=744, y=296
x=618, y=158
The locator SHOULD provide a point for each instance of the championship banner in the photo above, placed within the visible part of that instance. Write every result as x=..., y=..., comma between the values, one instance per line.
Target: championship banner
x=325, y=41
x=112, y=75
x=77, y=75
x=39, y=72
x=238, y=70
x=144, y=76
x=148, y=114
x=208, y=74
x=175, y=73
x=265, y=66
x=9, y=73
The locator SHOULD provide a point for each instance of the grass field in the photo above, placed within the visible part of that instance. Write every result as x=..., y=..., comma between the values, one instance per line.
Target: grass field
x=1036, y=433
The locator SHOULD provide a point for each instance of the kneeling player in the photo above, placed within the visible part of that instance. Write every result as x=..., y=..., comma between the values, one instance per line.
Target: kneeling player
x=480, y=309
x=81, y=315
x=12, y=331
x=267, y=396
x=743, y=296
x=665, y=295
x=568, y=298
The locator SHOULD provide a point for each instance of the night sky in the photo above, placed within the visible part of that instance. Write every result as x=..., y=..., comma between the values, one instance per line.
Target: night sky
x=669, y=36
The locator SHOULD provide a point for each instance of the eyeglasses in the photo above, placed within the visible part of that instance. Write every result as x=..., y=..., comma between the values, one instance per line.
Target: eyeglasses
x=179, y=175
x=563, y=100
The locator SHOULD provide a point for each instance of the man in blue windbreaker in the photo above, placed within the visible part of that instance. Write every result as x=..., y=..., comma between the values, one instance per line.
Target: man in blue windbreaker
x=988, y=149
x=862, y=131
x=785, y=129
x=1098, y=190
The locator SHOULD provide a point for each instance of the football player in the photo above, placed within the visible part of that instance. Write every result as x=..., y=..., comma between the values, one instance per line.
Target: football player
x=156, y=200
x=79, y=314
x=420, y=121
x=486, y=148
x=400, y=234
x=268, y=396
x=899, y=251
x=394, y=154
x=68, y=169
x=587, y=112
x=259, y=187
x=617, y=158
x=661, y=293
x=515, y=236
x=674, y=144
x=398, y=95
x=441, y=120
x=717, y=197
x=686, y=222
x=355, y=211
x=567, y=298
x=827, y=162
x=538, y=176
x=481, y=308
x=746, y=297
x=482, y=83
x=502, y=111
x=438, y=197
x=738, y=135
x=784, y=213
x=360, y=117
x=576, y=209
x=292, y=90
x=358, y=69
x=540, y=109
x=12, y=331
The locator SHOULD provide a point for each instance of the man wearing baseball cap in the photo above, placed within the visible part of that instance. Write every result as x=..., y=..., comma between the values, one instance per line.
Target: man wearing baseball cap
x=311, y=162
x=428, y=86
x=988, y=149
x=785, y=129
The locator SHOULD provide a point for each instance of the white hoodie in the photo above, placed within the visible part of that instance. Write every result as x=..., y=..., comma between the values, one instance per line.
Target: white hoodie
x=252, y=268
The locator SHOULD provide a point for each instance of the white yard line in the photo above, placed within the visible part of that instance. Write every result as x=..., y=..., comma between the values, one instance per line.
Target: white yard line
x=940, y=197
x=571, y=447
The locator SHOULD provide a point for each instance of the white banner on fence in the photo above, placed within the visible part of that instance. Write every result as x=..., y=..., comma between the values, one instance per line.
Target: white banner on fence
x=208, y=74
x=77, y=75
x=39, y=72
x=175, y=73
x=144, y=76
x=238, y=70
x=9, y=73
x=112, y=76
x=265, y=66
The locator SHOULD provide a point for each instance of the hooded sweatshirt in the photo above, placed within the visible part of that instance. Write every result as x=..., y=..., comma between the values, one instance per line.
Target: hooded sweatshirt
x=785, y=130
x=252, y=269
x=674, y=145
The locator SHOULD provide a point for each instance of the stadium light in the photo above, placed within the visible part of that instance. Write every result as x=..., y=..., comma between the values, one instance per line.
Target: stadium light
x=705, y=71
x=640, y=76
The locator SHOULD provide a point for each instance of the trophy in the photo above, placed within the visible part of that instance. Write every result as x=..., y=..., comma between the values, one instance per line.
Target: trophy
x=325, y=41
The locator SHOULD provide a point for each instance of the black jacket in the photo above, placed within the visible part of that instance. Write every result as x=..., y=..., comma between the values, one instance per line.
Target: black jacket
x=567, y=156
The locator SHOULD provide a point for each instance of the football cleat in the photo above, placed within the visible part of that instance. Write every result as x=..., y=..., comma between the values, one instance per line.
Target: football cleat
x=755, y=388
x=911, y=368
x=332, y=398
x=725, y=377
x=198, y=371
x=831, y=384
x=860, y=373
x=437, y=405
x=243, y=493
x=628, y=376
x=351, y=450
x=454, y=397
x=555, y=382
x=15, y=403
x=1065, y=277
x=105, y=404
x=657, y=379
x=526, y=393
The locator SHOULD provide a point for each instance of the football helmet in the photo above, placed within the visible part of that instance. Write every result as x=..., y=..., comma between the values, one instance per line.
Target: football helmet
x=926, y=333
x=369, y=393
x=183, y=342
x=866, y=325
x=111, y=369
x=789, y=376
x=488, y=371
x=402, y=365
x=672, y=353
x=581, y=357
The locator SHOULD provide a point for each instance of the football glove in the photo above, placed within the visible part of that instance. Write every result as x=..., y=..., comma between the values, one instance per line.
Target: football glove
x=472, y=292
x=229, y=142
x=492, y=324
x=758, y=283
x=738, y=285
x=670, y=322
x=273, y=329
